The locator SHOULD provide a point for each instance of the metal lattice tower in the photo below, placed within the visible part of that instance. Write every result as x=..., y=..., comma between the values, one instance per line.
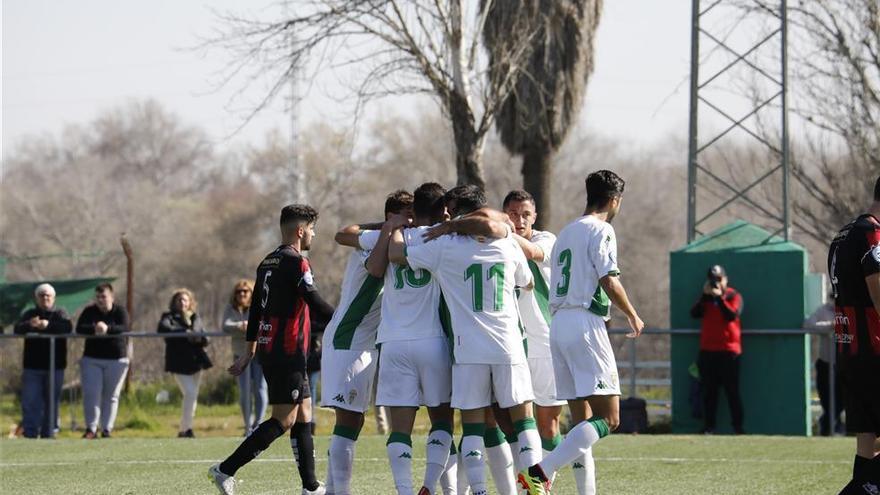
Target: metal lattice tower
x=726, y=59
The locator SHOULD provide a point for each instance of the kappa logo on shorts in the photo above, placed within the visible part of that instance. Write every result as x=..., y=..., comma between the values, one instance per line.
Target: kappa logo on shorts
x=577, y=465
x=339, y=398
x=474, y=453
x=434, y=441
x=525, y=449
x=602, y=385
x=871, y=489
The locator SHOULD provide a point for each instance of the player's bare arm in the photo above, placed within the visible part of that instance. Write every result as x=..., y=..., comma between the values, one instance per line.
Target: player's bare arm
x=532, y=251
x=397, y=248
x=378, y=259
x=479, y=225
x=614, y=288
x=348, y=235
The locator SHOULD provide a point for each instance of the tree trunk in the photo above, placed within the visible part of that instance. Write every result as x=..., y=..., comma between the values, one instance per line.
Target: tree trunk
x=536, y=180
x=468, y=142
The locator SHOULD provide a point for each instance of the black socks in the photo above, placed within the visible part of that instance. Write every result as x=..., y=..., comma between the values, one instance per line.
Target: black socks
x=303, y=446
x=259, y=440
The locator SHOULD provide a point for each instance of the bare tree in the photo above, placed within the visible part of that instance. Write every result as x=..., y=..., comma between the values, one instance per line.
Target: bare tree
x=834, y=61
x=426, y=47
x=544, y=105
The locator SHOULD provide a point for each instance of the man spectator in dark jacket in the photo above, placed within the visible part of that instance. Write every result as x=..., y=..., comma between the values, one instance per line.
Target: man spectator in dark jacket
x=719, y=307
x=44, y=319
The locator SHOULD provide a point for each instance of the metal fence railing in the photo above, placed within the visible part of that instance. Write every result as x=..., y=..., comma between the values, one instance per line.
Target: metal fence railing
x=631, y=367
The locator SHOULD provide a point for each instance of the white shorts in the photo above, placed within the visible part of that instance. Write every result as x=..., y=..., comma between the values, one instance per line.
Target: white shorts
x=414, y=373
x=583, y=362
x=347, y=378
x=544, y=382
x=475, y=385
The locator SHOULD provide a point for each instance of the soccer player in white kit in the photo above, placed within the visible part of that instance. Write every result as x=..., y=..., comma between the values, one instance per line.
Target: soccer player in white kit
x=584, y=275
x=534, y=307
x=478, y=277
x=348, y=361
x=415, y=366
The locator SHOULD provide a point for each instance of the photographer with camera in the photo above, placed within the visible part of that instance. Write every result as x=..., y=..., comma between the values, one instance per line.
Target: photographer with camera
x=719, y=307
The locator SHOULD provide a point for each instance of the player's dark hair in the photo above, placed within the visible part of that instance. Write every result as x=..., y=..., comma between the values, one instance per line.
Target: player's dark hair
x=877, y=190
x=467, y=197
x=602, y=187
x=517, y=195
x=428, y=199
x=298, y=213
x=398, y=201
x=104, y=286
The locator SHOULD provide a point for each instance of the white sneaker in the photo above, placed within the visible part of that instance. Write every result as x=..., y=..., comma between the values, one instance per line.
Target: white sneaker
x=223, y=482
x=321, y=490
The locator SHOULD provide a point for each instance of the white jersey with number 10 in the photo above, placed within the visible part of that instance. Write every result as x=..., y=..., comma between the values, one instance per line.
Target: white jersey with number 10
x=411, y=300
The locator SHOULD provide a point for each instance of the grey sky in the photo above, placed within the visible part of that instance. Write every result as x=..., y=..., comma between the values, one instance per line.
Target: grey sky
x=65, y=62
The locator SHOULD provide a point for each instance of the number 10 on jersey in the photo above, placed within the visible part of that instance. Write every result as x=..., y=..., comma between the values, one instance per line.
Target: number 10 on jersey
x=474, y=273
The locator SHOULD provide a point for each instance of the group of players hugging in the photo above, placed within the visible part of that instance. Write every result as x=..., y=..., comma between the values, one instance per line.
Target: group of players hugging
x=454, y=305
x=447, y=304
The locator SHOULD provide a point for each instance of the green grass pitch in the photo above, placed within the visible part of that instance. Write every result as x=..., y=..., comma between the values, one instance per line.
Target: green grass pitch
x=663, y=464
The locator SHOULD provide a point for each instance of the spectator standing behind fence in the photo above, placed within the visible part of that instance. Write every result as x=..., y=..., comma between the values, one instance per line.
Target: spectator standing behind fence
x=253, y=394
x=719, y=307
x=104, y=362
x=44, y=319
x=185, y=357
x=823, y=320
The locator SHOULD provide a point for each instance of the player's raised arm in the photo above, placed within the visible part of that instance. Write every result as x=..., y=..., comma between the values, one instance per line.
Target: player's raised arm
x=531, y=250
x=378, y=259
x=397, y=248
x=348, y=235
x=473, y=224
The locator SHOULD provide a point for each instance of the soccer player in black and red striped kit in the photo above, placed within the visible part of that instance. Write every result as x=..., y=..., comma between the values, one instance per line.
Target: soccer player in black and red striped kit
x=854, y=267
x=284, y=301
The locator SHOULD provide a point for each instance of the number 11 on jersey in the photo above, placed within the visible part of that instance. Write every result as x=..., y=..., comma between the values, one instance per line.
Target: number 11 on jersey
x=475, y=274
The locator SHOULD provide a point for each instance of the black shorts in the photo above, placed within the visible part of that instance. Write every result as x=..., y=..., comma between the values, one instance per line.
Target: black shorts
x=861, y=392
x=287, y=384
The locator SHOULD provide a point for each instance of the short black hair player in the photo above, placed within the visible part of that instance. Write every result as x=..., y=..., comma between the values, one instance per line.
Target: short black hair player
x=284, y=301
x=854, y=267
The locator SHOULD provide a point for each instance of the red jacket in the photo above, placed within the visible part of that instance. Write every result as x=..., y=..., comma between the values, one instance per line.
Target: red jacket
x=721, y=329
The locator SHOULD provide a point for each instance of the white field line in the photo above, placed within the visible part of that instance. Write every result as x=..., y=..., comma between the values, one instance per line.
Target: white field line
x=671, y=460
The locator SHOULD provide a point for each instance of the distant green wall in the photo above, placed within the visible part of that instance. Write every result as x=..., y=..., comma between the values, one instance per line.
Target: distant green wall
x=772, y=276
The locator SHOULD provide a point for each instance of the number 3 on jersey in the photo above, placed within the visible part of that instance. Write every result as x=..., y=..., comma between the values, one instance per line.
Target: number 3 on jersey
x=565, y=262
x=475, y=272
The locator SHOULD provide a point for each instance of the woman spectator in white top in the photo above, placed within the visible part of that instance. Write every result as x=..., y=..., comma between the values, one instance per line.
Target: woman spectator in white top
x=104, y=362
x=253, y=394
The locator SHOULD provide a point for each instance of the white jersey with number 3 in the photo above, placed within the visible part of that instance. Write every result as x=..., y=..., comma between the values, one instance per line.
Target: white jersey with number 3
x=478, y=278
x=411, y=299
x=585, y=252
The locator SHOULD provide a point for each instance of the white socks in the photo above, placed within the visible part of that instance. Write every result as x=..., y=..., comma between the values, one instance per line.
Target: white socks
x=341, y=460
x=584, y=471
x=529, y=442
x=437, y=453
x=399, y=449
x=472, y=452
x=575, y=445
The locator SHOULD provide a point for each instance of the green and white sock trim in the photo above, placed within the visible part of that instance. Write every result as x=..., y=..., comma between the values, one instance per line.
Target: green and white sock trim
x=347, y=432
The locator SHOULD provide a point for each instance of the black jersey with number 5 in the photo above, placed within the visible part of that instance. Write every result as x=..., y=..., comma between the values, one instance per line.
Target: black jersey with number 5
x=854, y=255
x=284, y=302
